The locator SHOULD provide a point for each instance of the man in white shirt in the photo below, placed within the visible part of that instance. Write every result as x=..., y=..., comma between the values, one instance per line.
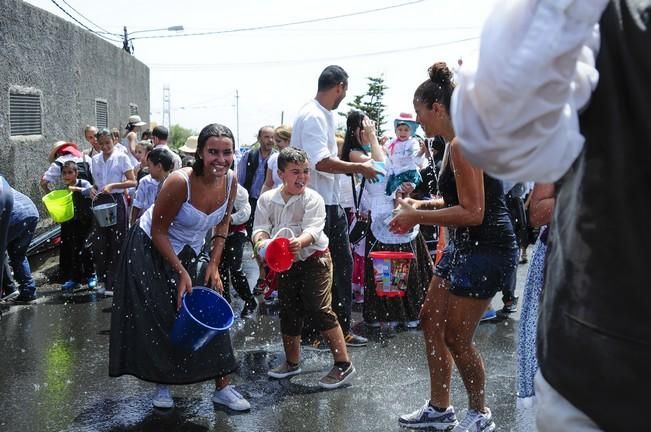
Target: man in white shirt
x=314, y=132
x=159, y=139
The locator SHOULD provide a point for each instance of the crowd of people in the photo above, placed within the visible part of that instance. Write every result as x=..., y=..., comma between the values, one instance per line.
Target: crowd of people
x=345, y=200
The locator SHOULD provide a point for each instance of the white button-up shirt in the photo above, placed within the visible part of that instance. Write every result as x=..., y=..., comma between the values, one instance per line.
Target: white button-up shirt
x=301, y=213
x=111, y=170
x=314, y=132
x=515, y=113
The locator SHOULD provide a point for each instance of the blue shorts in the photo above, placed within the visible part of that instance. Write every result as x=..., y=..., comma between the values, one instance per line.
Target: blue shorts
x=478, y=272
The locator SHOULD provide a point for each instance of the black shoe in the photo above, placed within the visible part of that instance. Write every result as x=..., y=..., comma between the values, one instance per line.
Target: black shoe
x=510, y=306
x=353, y=340
x=24, y=298
x=249, y=307
x=9, y=296
x=258, y=289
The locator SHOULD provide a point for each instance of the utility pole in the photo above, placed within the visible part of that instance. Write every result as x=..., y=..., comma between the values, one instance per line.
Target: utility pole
x=167, y=111
x=282, y=117
x=125, y=42
x=237, y=116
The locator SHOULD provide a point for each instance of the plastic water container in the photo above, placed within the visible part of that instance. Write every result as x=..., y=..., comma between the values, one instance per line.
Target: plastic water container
x=203, y=314
x=59, y=205
x=391, y=272
x=276, y=253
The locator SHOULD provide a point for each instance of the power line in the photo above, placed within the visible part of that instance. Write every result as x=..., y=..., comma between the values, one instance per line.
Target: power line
x=292, y=23
x=208, y=66
x=104, y=31
x=83, y=25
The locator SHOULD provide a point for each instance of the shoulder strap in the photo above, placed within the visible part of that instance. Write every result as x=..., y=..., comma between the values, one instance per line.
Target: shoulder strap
x=229, y=180
x=187, y=182
x=357, y=201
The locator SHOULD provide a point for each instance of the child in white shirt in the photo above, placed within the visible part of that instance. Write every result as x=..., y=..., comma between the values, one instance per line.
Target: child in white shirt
x=305, y=290
x=113, y=174
x=404, y=159
x=160, y=163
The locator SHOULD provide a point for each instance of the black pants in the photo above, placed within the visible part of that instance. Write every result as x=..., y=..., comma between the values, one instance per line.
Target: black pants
x=249, y=224
x=336, y=228
x=75, y=256
x=230, y=267
x=107, y=241
x=518, y=215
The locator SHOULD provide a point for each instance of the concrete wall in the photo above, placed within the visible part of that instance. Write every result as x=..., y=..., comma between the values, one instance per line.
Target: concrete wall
x=70, y=67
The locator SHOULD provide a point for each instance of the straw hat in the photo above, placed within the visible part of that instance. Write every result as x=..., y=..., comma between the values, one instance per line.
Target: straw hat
x=135, y=120
x=58, y=146
x=190, y=145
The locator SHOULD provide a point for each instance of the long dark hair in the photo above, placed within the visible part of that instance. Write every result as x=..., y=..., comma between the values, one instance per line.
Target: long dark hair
x=212, y=130
x=351, y=142
x=438, y=88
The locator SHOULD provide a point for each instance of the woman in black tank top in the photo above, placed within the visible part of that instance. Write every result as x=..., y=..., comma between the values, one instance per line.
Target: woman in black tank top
x=479, y=259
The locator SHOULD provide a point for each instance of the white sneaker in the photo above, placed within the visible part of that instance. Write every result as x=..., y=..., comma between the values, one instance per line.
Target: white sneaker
x=412, y=324
x=476, y=421
x=229, y=397
x=163, y=397
x=429, y=418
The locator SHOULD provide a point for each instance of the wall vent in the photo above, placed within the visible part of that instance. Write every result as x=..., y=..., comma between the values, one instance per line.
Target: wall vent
x=25, y=113
x=101, y=113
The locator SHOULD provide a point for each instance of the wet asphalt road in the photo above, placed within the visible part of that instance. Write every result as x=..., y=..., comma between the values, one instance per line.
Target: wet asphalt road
x=54, y=376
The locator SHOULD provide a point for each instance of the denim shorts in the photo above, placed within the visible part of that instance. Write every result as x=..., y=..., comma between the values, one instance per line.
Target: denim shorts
x=478, y=272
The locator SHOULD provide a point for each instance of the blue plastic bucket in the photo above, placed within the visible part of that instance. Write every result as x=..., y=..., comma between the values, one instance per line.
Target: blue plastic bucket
x=204, y=313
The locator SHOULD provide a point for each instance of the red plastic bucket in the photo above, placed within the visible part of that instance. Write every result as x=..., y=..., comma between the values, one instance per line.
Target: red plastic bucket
x=391, y=272
x=278, y=256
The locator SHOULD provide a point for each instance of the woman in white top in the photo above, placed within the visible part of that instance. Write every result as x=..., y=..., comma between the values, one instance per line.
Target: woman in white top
x=386, y=311
x=282, y=136
x=113, y=174
x=161, y=263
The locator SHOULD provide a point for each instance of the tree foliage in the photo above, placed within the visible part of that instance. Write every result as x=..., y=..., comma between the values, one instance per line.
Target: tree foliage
x=178, y=135
x=372, y=102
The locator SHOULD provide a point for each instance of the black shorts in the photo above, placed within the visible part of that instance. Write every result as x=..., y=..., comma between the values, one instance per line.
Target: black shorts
x=478, y=272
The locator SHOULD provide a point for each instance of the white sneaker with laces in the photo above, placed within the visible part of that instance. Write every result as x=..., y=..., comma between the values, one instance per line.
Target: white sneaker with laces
x=163, y=397
x=476, y=421
x=229, y=397
x=429, y=418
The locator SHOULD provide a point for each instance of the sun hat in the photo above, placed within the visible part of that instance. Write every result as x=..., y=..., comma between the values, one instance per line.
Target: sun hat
x=190, y=145
x=406, y=119
x=135, y=120
x=63, y=147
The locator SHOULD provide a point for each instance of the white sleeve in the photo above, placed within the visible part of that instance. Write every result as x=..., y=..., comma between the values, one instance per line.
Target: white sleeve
x=515, y=113
x=242, y=205
x=262, y=219
x=53, y=173
x=314, y=139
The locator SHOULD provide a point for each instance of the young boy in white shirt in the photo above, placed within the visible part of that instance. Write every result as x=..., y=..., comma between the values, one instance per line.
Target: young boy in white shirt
x=304, y=290
x=160, y=163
